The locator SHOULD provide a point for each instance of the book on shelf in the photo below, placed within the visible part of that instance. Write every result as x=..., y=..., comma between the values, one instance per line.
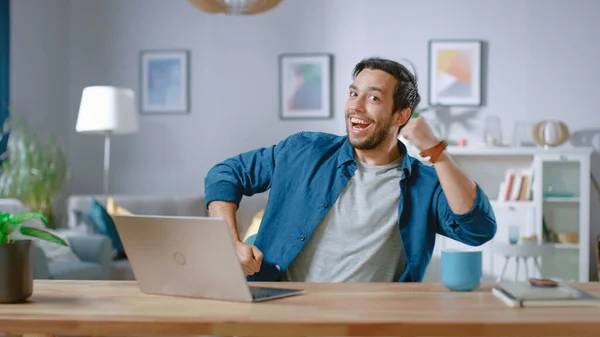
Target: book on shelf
x=523, y=294
x=517, y=185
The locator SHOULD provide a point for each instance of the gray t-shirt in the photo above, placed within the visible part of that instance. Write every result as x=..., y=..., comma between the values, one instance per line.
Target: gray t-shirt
x=358, y=240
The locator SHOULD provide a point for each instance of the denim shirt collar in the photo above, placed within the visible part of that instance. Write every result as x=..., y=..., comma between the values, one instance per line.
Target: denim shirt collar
x=346, y=155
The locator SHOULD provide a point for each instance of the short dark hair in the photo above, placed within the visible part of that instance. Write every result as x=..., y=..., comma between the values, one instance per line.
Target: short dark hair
x=406, y=93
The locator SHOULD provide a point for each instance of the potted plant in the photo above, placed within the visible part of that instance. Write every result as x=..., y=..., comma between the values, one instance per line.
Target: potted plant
x=32, y=171
x=16, y=270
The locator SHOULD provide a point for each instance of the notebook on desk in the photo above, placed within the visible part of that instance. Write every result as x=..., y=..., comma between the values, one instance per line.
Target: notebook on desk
x=523, y=294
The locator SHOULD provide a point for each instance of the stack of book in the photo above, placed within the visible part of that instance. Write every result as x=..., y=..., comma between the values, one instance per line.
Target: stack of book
x=517, y=185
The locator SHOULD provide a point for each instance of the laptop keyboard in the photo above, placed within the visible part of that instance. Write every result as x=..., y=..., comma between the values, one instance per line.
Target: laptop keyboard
x=260, y=292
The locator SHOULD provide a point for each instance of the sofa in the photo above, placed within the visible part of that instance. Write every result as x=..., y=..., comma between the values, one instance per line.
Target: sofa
x=86, y=257
x=119, y=268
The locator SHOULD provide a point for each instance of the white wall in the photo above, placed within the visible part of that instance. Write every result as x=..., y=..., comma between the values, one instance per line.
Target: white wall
x=542, y=64
x=39, y=65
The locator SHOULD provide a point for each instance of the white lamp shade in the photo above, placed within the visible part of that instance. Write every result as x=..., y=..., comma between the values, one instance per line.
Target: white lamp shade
x=107, y=109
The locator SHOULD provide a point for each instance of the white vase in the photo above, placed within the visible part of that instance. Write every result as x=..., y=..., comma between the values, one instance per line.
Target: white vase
x=550, y=133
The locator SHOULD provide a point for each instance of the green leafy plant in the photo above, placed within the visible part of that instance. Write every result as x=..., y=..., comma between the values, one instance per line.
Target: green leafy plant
x=32, y=171
x=9, y=223
x=418, y=112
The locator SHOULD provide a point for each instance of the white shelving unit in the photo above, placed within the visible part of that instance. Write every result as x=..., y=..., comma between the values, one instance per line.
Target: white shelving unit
x=560, y=199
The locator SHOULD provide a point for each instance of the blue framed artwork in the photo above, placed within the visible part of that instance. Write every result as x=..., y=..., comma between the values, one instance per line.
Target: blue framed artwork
x=164, y=82
x=305, y=86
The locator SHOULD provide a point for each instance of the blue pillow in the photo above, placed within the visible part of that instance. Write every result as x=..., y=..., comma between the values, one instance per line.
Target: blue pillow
x=105, y=224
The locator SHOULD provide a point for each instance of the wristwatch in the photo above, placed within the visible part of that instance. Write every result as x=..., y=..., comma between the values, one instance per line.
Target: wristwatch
x=434, y=152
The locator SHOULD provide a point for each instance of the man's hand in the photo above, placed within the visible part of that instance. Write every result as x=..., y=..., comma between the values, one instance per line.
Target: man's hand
x=250, y=257
x=419, y=133
x=459, y=189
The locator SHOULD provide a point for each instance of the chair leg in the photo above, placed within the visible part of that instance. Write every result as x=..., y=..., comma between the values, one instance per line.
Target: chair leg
x=501, y=277
x=537, y=266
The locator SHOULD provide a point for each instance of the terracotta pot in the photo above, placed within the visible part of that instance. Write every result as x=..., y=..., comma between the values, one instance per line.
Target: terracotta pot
x=16, y=272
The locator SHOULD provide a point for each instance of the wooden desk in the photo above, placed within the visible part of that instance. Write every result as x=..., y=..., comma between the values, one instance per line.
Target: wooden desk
x=100, y=308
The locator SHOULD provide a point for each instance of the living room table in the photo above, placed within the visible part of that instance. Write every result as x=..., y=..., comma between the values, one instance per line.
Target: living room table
x=119, y=308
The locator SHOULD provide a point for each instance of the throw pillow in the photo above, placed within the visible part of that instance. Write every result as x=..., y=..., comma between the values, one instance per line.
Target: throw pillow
x=113, y=208
x=254, y=226
x=105, y=224
x=83, y=224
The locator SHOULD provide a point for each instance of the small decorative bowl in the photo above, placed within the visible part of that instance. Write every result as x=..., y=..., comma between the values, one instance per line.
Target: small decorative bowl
x=566, y=237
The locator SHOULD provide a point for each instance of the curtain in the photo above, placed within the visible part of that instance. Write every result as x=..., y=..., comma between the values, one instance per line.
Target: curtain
x=4, y=71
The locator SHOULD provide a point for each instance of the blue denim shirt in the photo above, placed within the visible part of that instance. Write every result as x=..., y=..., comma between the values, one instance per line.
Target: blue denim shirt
x=305, y=174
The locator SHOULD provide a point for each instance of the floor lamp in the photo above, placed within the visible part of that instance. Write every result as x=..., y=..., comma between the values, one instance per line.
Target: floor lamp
x=106, y=111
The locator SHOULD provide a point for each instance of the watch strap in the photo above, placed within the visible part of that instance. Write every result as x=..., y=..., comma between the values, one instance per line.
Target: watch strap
x=434, y=152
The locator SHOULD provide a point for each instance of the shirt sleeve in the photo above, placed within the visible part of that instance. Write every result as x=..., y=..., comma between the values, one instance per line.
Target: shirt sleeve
x=474, y=228
x=246, y=174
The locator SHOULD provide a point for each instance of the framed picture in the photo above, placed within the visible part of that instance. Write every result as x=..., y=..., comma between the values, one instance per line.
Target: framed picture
x=164, y=82
x=305, y=84
x=455, y=72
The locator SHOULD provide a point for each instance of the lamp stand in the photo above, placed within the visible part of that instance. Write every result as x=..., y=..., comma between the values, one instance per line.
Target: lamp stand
x=106, y=161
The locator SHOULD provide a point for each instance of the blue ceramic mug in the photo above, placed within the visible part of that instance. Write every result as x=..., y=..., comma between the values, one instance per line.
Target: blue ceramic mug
x=461, y=270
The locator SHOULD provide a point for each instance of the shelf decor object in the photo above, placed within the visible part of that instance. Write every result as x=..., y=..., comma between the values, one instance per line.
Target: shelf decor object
x=550, y=133
x=235, y=7
x=455, y=72
x=492, y=134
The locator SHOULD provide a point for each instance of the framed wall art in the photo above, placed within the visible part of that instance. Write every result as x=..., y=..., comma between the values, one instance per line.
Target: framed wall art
x=305, y=85
x=455, y=72
x=164, y=82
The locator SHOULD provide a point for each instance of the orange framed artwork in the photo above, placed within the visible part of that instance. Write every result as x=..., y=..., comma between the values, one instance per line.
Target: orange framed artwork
x=455, y=72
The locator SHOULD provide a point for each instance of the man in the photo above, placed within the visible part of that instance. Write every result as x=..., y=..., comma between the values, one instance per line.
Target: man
x=356, y=207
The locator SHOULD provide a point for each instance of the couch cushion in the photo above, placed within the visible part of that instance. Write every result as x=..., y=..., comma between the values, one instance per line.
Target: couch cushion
x=113, y=208
x=140, y=204
x=63, y=270
x=250, y=235
x=12, y=206
x=166, y=205
x=84, y=224
x=105, y=224
x=248, y=209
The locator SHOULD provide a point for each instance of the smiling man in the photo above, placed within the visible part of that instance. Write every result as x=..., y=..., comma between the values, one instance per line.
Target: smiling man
x=354, y=208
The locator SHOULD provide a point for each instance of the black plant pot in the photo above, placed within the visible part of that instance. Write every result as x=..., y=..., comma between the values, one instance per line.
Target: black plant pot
x=16, y=272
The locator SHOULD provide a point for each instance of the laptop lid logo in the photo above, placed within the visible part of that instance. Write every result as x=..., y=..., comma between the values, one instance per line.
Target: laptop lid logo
x=179, y=258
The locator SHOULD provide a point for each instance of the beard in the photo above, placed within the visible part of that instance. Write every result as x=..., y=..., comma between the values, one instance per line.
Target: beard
x=379, y=133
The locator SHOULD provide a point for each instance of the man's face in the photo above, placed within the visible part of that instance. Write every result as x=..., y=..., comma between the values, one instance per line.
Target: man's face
x=370, y=119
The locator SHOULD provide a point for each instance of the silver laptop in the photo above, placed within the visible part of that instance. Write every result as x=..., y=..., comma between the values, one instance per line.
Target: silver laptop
x=188, y=256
